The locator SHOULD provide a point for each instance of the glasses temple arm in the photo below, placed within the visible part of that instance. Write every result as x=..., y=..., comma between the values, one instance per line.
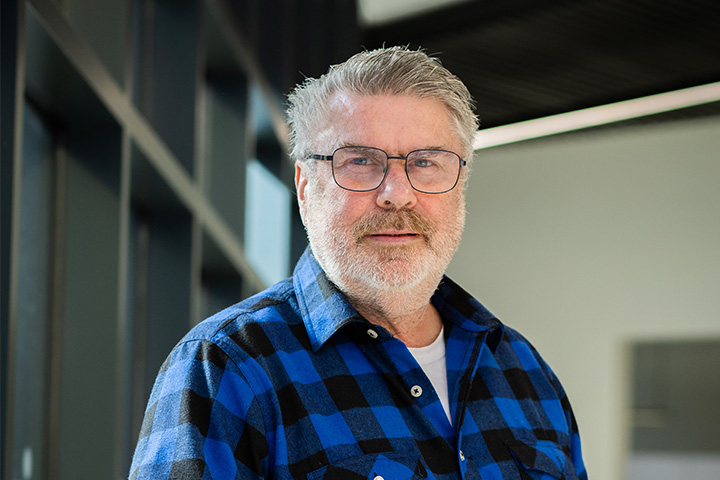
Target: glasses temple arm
x=315, y=156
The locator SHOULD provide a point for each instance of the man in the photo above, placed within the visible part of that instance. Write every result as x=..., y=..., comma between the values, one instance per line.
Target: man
x=368, y=363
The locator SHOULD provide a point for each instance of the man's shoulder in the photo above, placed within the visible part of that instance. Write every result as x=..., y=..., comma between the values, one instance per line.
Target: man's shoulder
x=516, y=351
x=510, y=346
x=246, y=322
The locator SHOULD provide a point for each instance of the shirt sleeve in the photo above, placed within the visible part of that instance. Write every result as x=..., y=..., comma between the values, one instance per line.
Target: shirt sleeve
x=572, y=427
x=203, y=420
x=575, y=446
x=553, y=401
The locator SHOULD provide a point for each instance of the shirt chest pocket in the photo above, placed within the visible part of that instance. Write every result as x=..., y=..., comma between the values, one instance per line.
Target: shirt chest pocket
x=379, y=466
x=541, y=460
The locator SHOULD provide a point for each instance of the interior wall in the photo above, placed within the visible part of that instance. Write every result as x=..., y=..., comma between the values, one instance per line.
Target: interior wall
x=588, y=242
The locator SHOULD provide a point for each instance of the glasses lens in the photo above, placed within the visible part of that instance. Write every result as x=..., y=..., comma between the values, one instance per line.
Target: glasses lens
x=359, y=168
x=433, y=171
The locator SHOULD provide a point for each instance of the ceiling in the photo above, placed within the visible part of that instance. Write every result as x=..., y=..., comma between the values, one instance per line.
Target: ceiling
x=378, y=12
x=524, y=59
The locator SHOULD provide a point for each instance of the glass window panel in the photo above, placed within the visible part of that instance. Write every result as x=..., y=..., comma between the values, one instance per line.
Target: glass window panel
x=267, y=224
x=33, y=299
x=226, y=152
x=103, y=24
x=87, y=368
x=675, y=416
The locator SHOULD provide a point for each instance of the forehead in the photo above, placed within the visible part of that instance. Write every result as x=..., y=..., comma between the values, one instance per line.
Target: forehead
x=395, y=123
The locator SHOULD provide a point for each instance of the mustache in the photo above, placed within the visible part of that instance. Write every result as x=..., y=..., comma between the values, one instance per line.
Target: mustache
x=394, y=220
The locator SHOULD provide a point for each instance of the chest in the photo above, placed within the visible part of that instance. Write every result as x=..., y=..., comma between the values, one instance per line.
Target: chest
x=367, y=408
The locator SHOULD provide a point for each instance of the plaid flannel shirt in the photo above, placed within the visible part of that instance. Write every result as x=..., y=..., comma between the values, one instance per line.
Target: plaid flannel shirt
x=294, y=384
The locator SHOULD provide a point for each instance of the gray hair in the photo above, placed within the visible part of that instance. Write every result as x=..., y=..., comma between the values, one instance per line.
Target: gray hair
x=385, y=71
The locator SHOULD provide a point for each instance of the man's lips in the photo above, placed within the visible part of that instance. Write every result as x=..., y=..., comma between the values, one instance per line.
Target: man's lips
x=393, y=234
x=393, y=237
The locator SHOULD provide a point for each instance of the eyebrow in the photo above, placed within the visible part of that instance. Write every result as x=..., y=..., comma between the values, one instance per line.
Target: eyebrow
x=433, y=147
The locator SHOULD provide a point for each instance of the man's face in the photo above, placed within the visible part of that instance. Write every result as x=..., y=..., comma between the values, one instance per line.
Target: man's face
x=394, y=237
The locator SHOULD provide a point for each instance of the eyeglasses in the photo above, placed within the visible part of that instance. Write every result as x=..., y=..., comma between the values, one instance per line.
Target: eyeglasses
x=363, y=169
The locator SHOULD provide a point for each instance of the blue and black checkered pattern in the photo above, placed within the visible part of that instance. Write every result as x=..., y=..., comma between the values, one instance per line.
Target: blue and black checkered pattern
x=294, y=384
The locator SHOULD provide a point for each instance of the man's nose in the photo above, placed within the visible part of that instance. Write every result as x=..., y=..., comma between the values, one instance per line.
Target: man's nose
x=396, y=191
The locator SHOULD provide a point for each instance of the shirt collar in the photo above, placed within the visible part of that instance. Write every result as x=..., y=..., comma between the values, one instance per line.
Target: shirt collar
x=325, y=310
x=323, y=307
x=463, y=310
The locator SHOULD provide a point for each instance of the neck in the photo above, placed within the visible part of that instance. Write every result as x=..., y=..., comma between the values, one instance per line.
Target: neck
x=408, y=316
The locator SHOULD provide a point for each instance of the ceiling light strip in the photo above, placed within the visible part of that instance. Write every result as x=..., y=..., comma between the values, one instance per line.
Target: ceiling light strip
x=595, y=116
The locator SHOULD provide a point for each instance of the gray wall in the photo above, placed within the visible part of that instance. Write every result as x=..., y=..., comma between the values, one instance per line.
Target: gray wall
x=590, y=242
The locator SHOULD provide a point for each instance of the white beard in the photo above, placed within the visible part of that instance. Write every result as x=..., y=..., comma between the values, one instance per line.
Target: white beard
x=388, y=279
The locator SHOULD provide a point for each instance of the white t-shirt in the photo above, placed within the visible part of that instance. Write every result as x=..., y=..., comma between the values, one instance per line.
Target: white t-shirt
x=432, y=361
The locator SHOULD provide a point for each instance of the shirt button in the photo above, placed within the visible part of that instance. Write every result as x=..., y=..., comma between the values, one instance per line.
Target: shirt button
x=378, y=477
x=416, y=391
x=462, y=456
x=372, y=334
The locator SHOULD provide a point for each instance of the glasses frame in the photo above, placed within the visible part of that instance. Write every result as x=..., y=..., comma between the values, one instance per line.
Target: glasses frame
x=329, y=158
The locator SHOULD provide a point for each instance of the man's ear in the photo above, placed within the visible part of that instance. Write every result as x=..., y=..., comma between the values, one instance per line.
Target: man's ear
x=301, y=181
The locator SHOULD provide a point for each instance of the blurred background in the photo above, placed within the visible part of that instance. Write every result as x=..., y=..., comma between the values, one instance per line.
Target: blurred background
x=145, y=184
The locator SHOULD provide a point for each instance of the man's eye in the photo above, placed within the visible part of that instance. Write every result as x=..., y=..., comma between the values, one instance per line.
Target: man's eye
x=359, y=161
x=423, y=163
